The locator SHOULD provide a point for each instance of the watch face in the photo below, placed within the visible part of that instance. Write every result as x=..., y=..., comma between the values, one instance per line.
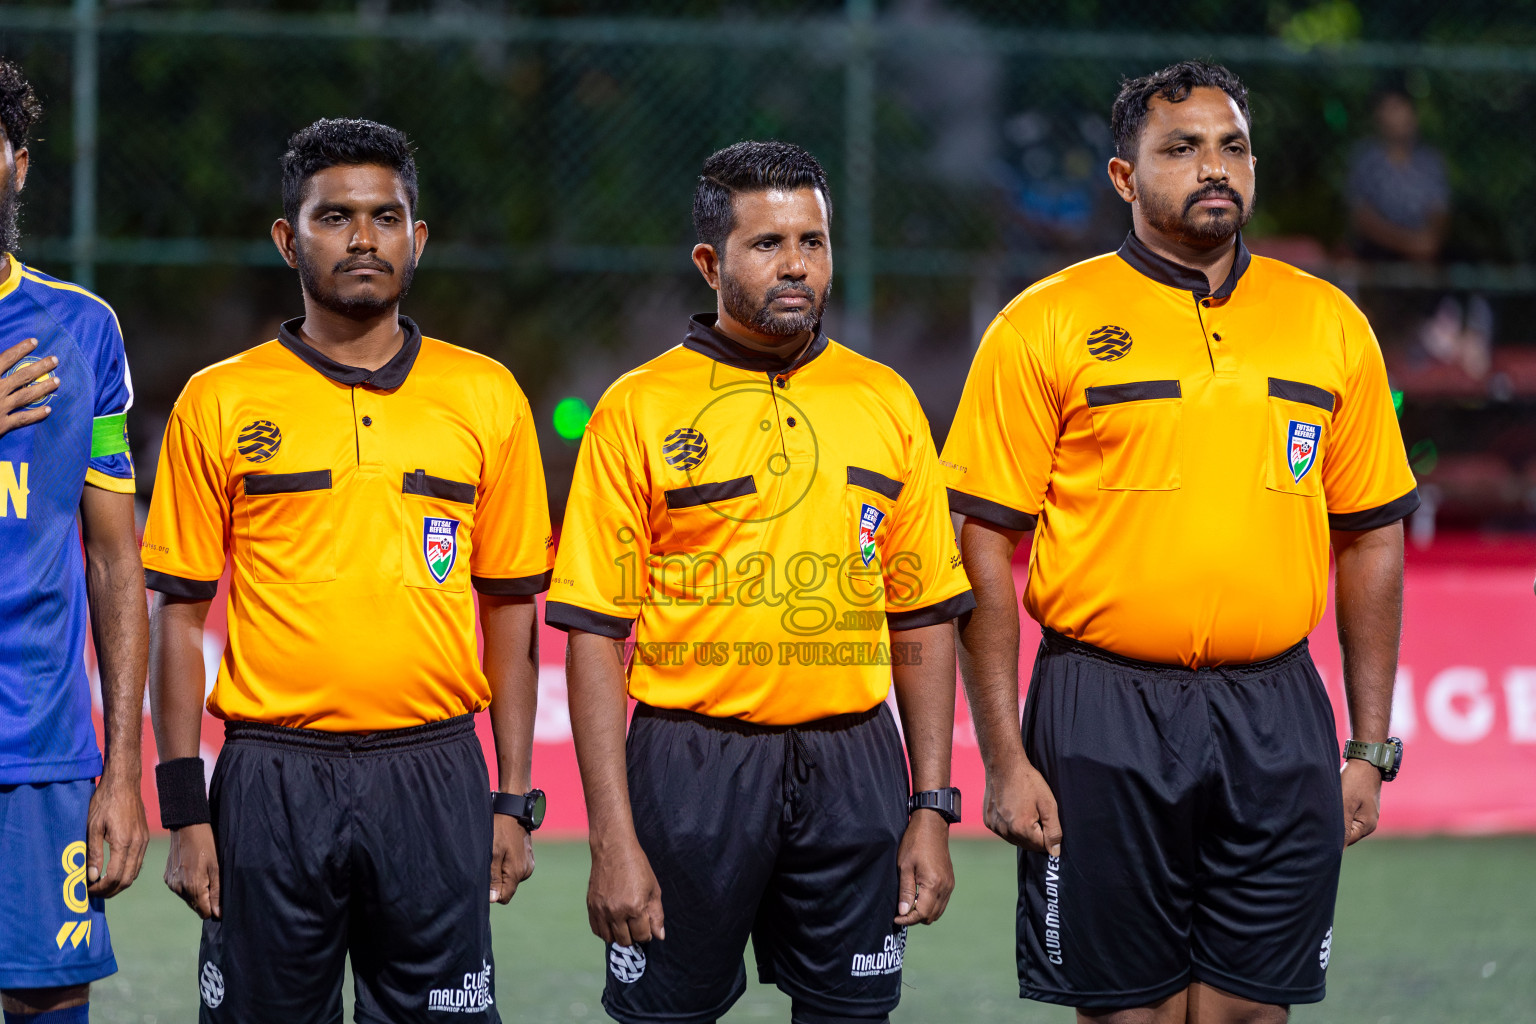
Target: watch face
x=536, y=807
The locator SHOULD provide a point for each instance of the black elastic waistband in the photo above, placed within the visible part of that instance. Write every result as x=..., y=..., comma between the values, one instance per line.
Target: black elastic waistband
x=835, y=723
x=1055, y=642
x=350, y=744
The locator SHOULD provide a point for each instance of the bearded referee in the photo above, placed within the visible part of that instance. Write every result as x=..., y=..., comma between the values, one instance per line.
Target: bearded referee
x=1187, y=429
x=762, y=508
x=364, y=483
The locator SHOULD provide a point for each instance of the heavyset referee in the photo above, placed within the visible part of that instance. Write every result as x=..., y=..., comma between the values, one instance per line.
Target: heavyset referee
x=1185, y=427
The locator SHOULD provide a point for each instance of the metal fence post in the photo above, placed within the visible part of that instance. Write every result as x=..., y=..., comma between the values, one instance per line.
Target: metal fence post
x=83, y=202
x=857, y=269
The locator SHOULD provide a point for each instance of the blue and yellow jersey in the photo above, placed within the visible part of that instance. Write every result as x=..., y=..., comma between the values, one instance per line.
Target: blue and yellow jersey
x=45, y=699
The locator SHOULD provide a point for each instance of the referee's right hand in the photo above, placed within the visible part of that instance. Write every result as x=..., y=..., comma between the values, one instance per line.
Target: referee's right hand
x=19, y=390
x=192, y=869
x=623, y=896
x=1021, y=808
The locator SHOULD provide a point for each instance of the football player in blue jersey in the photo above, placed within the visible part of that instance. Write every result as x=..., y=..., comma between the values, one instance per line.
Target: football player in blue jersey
x=66, y=841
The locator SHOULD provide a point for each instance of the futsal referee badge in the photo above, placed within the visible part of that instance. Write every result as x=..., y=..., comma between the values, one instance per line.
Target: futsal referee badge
x=1301, y=445
x=869, y=521
x=440, y=545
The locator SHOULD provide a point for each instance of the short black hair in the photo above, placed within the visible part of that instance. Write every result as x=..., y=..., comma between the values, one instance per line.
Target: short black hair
x=344, y=142
x=750, y=167
x=20, y=108
x=1174, y=84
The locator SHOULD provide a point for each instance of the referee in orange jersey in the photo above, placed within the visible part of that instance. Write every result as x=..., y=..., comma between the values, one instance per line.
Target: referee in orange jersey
x=365, y=485
x=1186, y=429
x=762, y=508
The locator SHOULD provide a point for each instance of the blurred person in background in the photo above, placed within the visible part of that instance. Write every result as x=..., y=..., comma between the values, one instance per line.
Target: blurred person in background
x=1186, y=429
x=761, y=506
x=364, y=483
x=65, y=477
x=1399, y=203
x=1399, y=195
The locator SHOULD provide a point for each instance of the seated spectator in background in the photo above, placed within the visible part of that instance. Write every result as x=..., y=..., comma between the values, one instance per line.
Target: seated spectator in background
x=1400, y=202
x=1398, y=191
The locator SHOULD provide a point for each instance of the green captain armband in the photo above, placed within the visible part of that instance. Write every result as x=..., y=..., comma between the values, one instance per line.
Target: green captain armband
x=109, y=435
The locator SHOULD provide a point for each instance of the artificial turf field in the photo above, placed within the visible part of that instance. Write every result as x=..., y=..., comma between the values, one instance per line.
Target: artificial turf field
x=1427, y=930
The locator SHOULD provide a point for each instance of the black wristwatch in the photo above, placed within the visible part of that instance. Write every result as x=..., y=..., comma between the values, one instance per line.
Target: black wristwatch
x=945, y=801
x=1387, y=757
x=527, y=808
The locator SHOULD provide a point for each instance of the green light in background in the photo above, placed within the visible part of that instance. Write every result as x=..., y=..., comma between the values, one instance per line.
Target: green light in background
x=571, y=415
x=1335, y=114
x=1397, y=402
x=1424, y=456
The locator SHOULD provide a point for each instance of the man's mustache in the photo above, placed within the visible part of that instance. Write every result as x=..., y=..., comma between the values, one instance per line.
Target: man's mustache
x=364, y=263
x=1214, y=192
x=780, y=290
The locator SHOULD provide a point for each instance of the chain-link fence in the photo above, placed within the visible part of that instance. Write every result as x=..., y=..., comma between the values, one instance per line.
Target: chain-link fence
x=558, y=144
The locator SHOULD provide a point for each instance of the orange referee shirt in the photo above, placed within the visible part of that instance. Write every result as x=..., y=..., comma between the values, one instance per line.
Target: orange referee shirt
x=357, y=508
x=1185, y=452
x=762, y=526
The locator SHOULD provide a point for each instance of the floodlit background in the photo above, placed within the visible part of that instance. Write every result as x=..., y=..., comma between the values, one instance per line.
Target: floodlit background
x=558, y=144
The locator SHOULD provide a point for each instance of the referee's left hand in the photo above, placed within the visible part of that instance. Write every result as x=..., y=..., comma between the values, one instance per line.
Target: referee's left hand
x=1361, y=783
x=511, y=857
x=927, y=876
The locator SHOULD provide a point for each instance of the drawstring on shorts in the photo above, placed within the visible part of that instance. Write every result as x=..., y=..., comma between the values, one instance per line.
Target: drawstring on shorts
x=798, y=764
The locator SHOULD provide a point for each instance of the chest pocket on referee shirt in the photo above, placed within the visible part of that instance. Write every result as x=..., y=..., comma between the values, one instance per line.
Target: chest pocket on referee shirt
x=705, y=521
x=290, y=527
x=1299, y=418
x=436, y=516
x=1139, y=427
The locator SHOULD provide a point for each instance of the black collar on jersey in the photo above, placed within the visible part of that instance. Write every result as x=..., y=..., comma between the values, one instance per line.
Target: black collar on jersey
x=1177, y=275
x=386, y=378
x=704, y=339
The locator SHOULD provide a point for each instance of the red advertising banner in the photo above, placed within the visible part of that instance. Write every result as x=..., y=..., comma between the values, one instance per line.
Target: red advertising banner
x=1464, y=705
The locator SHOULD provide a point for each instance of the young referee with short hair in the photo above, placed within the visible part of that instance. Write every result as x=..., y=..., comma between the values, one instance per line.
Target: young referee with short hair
x=1186, y=429
x=363, y=482
x=762, y=507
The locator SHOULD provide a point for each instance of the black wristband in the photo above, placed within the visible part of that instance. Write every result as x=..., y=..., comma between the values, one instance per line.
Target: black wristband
x=183, y=796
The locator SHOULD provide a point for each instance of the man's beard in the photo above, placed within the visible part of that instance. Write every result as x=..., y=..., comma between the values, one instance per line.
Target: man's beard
x=321, y=289
x=745, y=309
x=10, y=214
x=1200, y=228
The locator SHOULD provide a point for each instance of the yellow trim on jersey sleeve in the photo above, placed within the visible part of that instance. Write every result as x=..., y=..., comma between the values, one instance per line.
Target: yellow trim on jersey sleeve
x=65, y=286
x=117, y=485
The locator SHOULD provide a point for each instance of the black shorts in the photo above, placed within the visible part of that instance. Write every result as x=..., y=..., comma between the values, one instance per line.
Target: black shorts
x=1202, y=825
x=788, y=835
x=375, y=845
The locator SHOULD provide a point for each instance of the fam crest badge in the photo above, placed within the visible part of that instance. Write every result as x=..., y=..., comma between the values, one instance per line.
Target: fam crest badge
x=440, y=545
x=1301, y=448
x=869, y=521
